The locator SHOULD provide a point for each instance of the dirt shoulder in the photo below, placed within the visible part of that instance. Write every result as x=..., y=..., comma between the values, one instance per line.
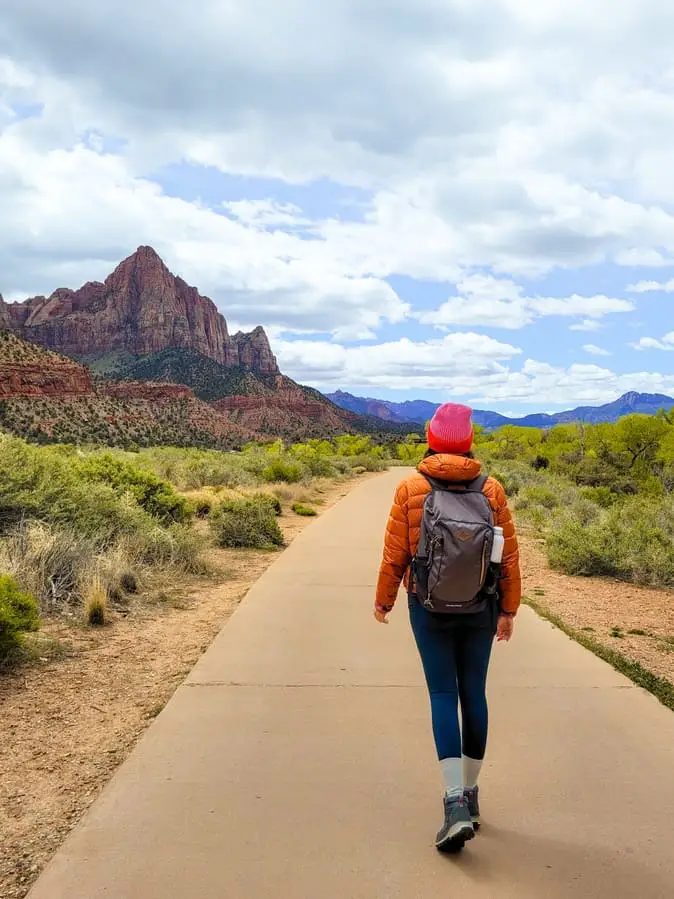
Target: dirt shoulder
x=636, y=622
x=69, y=722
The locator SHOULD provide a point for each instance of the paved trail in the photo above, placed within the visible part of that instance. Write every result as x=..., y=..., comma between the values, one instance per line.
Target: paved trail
x=296, y=761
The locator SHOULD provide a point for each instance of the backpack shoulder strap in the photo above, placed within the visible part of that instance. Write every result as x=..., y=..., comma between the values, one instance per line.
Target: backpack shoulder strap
x=477, y=486
x=474, y=486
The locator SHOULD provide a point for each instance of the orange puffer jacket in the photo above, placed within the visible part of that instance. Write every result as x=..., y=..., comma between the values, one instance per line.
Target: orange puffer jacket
x=404, y=525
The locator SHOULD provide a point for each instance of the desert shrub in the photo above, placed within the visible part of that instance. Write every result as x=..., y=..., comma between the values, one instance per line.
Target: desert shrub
x=18, y=614
x=344, y=466
x=280, y=469
x=632, y=541
x=509, y=479
x=302, y=509
x=128, y=582
x=246, y=522
x=156, y=496
x=178, y=547
x=49, y=562
x=272, y=500
x=41, y=483
x=202, y=504
x=315, y=460
x=368, y=461
x=192, y=469
x=538, y=495
x=602, y=496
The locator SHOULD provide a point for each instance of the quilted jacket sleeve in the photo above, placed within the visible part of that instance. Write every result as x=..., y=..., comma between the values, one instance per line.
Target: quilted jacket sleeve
x=511, y=579
x=397, y=555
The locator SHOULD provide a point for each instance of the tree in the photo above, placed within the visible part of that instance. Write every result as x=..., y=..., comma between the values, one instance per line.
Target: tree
x=640, y=437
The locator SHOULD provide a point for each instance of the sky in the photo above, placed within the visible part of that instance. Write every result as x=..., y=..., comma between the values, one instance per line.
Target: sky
x=465, y=200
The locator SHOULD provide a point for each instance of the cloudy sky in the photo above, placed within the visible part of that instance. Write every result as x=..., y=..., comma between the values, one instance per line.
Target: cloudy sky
x=418, y=198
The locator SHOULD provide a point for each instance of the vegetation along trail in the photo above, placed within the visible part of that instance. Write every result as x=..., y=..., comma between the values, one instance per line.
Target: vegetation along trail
x=297, y=753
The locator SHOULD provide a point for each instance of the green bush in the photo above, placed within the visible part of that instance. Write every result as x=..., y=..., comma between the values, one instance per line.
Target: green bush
x=156, y=496
x=538, y=495
x=43, y=483
x=510, y=480
x=274, y=502
x=315, y=459
x=632, y=542
x=285, y=470
x=178, y=546
x=367, y=461
x=18, y=614
x=302, y=509
x=248, y=522
x=602, y=496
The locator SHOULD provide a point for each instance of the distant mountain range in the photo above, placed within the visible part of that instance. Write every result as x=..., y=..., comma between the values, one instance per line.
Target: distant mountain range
x=421, y=411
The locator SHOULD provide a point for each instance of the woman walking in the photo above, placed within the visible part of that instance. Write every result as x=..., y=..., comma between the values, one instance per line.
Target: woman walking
x=447, y=521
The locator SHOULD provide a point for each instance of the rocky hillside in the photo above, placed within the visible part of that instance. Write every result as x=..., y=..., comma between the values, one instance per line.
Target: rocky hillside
x=27, y=371
x=270, y=404
x=140, y=309
x=44, y=396
x=210, y=380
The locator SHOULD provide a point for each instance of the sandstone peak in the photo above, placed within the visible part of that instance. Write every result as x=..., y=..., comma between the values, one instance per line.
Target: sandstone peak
x=141, y=309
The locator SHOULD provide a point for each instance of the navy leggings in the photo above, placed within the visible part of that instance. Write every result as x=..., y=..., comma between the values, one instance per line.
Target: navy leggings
x=455, y=656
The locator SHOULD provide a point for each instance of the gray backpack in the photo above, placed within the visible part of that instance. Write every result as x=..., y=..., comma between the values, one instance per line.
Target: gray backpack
x=451, y=566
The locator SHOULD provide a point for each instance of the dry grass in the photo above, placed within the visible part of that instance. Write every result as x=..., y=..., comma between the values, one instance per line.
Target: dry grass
x=95, y=596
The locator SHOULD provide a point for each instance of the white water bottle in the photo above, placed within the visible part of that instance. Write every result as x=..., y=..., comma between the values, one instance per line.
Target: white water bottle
x=497, y=548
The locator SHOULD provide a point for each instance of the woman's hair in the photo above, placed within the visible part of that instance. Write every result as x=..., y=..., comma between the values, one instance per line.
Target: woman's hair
x=432, y=452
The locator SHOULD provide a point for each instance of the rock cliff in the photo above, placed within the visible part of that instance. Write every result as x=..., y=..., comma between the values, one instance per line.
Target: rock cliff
x=141, y=309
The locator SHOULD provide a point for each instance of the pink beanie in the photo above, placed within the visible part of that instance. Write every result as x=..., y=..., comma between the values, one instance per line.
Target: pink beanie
x=451, y=429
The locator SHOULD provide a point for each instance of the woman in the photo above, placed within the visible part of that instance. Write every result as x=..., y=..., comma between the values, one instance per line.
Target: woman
x=454, y=648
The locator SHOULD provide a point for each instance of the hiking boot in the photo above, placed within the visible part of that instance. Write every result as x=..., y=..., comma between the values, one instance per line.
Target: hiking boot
x=472, y=797
x=458, y=828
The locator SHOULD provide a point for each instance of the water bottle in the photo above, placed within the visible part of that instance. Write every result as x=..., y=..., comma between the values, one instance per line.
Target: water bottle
x=494, y=573
x=497, y=548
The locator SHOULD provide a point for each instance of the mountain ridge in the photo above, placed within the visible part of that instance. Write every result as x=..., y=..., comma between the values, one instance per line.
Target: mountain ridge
x=420, y=411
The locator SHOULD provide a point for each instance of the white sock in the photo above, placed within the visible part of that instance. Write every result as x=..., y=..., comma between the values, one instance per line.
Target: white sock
x=471, y=771
x=451, y=771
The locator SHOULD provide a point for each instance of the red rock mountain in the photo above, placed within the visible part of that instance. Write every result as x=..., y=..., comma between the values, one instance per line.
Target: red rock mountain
x=141, y=308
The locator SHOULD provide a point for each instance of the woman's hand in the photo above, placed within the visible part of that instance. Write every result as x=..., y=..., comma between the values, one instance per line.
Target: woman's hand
x=381, y=614
x=504, y=628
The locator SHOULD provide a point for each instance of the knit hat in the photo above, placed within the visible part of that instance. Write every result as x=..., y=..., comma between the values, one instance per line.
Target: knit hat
x=451, y=429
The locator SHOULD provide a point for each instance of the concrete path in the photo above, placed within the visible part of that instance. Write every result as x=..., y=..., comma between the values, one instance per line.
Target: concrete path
x=296, y=761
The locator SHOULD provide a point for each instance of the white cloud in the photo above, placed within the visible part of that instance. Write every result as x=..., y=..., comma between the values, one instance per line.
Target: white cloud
x=586, y=325
x=461, y=366
x=594, y=350
x=267, y=214
x=500, y=303
x=643, y=256
x=79, y=212
x=652, y=287
x=402, y=364
x=650, y=343
x=491, y=134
